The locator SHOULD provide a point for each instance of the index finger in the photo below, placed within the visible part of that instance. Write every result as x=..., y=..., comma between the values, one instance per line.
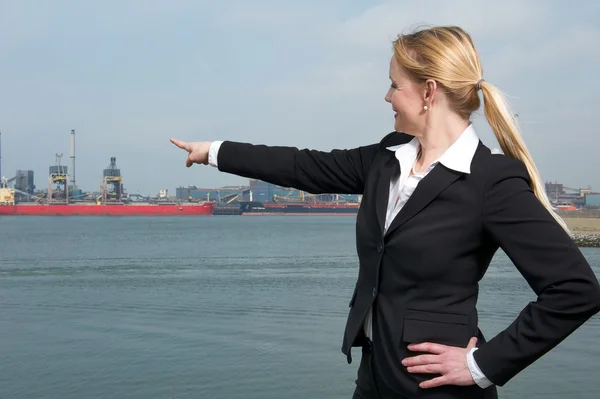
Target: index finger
x=181, y=144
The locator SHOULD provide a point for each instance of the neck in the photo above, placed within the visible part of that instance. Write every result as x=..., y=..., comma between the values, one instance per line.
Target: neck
x=437, y=138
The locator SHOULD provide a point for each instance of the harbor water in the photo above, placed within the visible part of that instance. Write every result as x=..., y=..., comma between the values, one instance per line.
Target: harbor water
x=216, y=307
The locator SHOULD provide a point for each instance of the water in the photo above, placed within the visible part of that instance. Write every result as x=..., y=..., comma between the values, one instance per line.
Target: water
x=217, y=307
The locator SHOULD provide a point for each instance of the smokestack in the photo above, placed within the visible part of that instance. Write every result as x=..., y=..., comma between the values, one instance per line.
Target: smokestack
x=73, y=158
x=0, y=155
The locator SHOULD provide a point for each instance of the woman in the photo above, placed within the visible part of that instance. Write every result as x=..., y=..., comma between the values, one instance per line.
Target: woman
x=437, y=205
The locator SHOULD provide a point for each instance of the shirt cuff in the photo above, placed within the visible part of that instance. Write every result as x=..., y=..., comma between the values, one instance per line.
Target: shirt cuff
x=478, y=376
x=213, y=153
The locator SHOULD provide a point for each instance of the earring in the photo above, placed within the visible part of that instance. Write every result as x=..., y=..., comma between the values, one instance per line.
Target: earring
x=425, y=107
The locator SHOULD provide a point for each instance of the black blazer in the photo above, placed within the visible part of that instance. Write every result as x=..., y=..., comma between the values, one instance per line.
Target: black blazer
x=422, y=275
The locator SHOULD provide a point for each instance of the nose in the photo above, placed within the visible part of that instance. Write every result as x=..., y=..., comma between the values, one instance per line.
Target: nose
x=388, y=96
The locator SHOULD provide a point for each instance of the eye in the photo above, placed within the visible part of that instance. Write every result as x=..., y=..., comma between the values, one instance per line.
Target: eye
x=393, y=86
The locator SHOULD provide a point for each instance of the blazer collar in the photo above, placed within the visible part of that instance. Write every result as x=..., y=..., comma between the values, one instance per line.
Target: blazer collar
x=457, y=157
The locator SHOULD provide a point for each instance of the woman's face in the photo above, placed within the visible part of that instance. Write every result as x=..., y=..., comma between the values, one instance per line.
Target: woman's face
x=406, y=98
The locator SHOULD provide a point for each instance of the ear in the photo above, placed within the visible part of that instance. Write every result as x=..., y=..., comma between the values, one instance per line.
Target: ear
x=429, y=91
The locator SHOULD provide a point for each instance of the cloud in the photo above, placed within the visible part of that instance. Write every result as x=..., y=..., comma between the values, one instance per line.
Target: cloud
x=266, y=17
x=358, y=48
x=333, y=80
x=576, y=45
x=377, y=27
x=129, y=74
x=128, y=16
x=527, y=49
x=22, y=22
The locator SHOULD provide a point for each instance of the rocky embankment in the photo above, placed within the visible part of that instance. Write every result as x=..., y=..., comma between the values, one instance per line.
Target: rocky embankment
x=586, y=240
x=585, y=228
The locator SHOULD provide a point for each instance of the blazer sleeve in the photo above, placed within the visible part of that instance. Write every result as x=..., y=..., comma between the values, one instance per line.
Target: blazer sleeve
x=567, y=290
x=337, y=171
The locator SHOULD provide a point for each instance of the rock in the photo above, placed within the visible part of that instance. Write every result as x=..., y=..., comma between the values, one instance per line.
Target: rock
x=586, y=240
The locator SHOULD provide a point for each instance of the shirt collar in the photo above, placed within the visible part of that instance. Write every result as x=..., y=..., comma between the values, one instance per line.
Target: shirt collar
x=457, y=157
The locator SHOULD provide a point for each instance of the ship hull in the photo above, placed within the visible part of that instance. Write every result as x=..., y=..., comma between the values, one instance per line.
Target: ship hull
x=108, y=210
x=298, y=213
x=257, y=208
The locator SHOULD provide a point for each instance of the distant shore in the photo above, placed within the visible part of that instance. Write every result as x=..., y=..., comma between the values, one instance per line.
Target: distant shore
x=584, y=226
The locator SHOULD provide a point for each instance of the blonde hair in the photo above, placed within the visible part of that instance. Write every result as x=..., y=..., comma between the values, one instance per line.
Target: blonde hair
x=447, y=55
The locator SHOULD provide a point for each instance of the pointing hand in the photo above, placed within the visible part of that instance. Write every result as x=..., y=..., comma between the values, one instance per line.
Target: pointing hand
x=197, y=152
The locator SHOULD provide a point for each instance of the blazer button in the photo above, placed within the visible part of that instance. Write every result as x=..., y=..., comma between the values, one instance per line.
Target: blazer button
x=379, y=247
x=374, y=292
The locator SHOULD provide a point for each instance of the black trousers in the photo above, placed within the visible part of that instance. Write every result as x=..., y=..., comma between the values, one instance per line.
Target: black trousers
x=368, y=385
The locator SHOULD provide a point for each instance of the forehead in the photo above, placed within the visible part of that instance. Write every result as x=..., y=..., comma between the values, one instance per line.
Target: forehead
x=396, y=71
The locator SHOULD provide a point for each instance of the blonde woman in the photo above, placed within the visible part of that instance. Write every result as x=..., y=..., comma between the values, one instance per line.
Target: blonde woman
x=437, y=205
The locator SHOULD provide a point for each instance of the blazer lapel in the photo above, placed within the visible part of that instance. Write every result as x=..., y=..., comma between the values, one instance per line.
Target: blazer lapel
x=430, y=187
x=390, y=168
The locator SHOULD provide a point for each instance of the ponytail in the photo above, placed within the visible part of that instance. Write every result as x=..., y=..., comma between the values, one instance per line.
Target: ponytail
x=506, y=130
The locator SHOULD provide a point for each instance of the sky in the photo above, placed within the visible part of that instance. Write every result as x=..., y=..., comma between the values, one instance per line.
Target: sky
x=129, y=74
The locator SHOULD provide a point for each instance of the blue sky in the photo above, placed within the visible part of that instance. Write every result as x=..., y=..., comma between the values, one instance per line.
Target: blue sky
x=128, y=75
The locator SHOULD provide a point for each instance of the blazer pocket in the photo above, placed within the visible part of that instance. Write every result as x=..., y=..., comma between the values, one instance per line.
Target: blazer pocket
x=442, y=328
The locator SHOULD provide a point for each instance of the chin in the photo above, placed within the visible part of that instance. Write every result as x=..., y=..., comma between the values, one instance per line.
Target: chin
x=401, y=129
x=406, y=132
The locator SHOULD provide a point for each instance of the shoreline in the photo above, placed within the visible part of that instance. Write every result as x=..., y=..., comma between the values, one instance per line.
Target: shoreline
x=584, y=227
x=586, y=240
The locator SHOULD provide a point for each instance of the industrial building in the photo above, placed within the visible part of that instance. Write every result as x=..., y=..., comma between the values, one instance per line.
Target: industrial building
x=222, y=194
x=112, y=183
x=257, y=190
x=62, y=188
x=562, y=196
x=591, y=200
x=24, y=181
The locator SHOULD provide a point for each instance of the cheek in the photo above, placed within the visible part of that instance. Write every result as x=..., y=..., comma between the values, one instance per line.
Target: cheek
x=398, y=102
x=409, y=114
x=411, y=106
x=404, y=105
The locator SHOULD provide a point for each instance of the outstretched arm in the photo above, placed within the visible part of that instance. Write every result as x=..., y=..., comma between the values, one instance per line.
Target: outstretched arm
x=337, y=171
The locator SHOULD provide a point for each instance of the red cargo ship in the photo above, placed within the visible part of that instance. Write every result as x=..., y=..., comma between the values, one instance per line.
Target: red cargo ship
x=62, y=200
x=82, y=209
